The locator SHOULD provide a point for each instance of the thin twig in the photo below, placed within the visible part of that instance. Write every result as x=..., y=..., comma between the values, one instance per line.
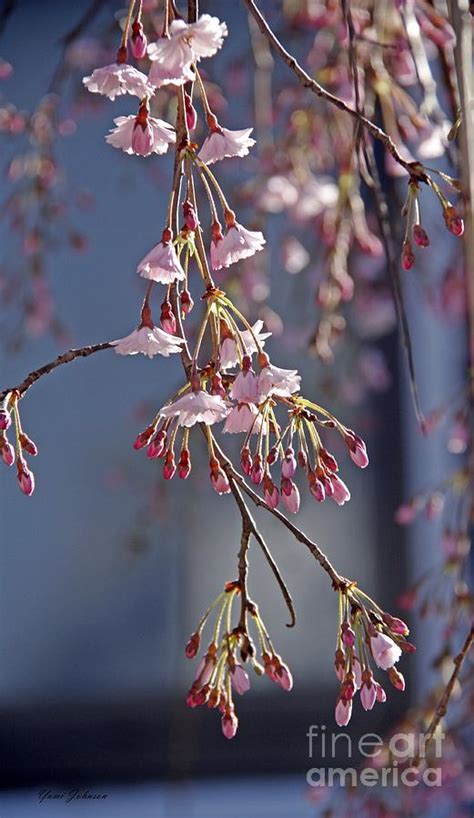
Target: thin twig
x=65, y=358
x=245, y=512
x=415, y=169
x=442, y=706
x=382, y=212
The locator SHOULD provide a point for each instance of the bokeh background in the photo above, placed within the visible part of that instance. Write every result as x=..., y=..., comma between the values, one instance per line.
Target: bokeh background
x=98, y=594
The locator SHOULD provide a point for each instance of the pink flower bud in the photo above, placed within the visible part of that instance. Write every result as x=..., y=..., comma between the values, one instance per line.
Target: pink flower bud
x=229, y=723
x=184, y=465
x=256, y=472
x=341, y=492
x=191, y=115
x=217, y=387
x=272, y=456
x=408, y=258
x=8, y=453
x=288, y=466
x=302, y=459
x=167, y=318
x=317, y=490
x=186, y=301
x=395, y=624
x=240, y=679
x=347, y=635
x=368, y=695
x=26, y=478
x=270, y=492
x=283, y=676
x=169, y=467
x=380, y=693
x=28, y=445
x=193, y=646
x=339, y=664
x=5, y=419
x=343, y=711
x=157, y=446
x=190, y=217
x=396, y=678
x=138, y=41
x=290, y=495
x=453, y=221
x=245, y=461
x=220, y=482
x=329, y=460
x=144, y=438
x=420, y=236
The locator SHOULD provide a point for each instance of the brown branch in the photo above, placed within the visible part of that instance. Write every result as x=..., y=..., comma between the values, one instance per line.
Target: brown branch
x=381, y=209
x=442, y=706
x=249, y=522
x=65, y=358
x=415, y=169
x=338, y=581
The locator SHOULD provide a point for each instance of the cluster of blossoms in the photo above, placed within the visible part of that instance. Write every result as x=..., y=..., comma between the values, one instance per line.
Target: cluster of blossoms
x=414, y=231
x=238, y=384
x=221, y=671
x=10, y=416
x=366, y=635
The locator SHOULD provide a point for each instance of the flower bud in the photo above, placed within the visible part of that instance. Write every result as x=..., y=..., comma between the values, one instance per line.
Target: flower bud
x=5, y=419
x=191, y=115
x=138, y=41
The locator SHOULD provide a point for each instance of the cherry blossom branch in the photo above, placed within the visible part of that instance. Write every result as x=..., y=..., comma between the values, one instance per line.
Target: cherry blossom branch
x=65, y=358
x=338, y=582
x=414, y=169
x=249, y=523
x=381, y=208
x=442, y=706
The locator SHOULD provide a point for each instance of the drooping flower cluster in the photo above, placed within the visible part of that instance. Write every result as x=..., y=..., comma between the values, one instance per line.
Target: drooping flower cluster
x=366, y=636
x=229, y=377
x=222, y=670
x=10, y=416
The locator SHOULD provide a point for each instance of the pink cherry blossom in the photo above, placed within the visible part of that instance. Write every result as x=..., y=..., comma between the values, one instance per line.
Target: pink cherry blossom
x=149, y=341
x=229, y=350
x=153, y=136
x=243, y=418
x=384, y=650
x=117, y=79
x=173, y=56
x=196, y=407
x=276, y=381
x=238, y=243
x=223, y=143
x=245, y=387
x=161, y=263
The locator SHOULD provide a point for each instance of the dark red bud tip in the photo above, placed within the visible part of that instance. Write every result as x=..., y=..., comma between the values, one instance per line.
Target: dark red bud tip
x=122, y=55
x=408, y=258
x=420, y=236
